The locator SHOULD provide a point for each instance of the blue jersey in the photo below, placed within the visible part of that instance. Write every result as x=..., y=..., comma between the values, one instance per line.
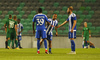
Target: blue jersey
x=71, y=19
x=50, y=28
x=40, y=20
x=20, y=27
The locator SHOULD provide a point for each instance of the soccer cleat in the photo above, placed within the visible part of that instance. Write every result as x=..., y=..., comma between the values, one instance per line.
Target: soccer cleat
x=8, y=47
x=17, y=48
x=20, y=47
x=46, y=51
x=85, y=47
x=50, y=52
x=38, y=52
x=72, y=52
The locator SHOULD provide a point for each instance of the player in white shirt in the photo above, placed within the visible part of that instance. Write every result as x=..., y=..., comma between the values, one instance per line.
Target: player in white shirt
x=19, y=30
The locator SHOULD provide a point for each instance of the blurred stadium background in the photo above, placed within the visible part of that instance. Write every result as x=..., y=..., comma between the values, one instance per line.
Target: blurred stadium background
x=86, y=10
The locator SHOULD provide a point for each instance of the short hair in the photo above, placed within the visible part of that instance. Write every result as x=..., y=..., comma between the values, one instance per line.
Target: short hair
x=40, y=10
x=10, y=16
x=71, y=8
x=18, y=19
x=15, y=17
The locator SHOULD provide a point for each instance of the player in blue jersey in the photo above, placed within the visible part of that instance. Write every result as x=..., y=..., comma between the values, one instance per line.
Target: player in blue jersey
x=49, y=32
x=40, y=20
x=19, y=30
x=72, y=28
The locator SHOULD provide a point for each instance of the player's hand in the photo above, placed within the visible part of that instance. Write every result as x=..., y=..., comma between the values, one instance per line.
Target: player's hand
x=33, y=31
x=19, y=32
x=89, y=36
x=52, y=26
x=82, y=36
x=72, y=31
x=58, y=26
x=56, y=33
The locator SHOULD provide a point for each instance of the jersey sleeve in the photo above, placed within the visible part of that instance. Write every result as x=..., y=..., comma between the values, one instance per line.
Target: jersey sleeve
x=21, y=26
x=67, y=19
x=46, y=19
x=56, y=23
x=15, y=23
x=34, y=19
x=74, y=17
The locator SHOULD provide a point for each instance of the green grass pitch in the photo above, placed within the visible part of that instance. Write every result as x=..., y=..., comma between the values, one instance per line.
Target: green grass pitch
x=58, y=54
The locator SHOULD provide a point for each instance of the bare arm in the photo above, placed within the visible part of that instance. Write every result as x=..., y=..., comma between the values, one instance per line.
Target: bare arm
x=33, y=28
x=5, y=28
x=62, y=24
x=82, y=34
x=16, y=29
x=56, y=30
x=74, y=24
x=89, y=33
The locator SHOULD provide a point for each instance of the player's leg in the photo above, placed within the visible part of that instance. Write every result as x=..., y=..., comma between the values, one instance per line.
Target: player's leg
x=6, y=42
x=44, y=36
x=41, y=42
x=49, y=38
x=38, y=41
x=72, y=36
x=9, y=43
x=92, y=45
x=88, y=43
x=19, y=39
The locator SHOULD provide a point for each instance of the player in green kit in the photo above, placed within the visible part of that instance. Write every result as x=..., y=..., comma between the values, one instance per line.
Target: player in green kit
x=86, y=34
x=6, y=25
x=12, y=29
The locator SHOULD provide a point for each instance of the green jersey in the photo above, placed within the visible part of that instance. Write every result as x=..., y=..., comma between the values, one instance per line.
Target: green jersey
x=12, y=24
x=86, y=31
x=7, y=24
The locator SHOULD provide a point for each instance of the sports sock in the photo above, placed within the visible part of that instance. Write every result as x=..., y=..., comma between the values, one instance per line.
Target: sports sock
x=49, y=49
x=45, y=44
x=72, y=45
x=9, y=42
x=16, y=41
x=6, y=43
x=38, y=45
x=12, y=43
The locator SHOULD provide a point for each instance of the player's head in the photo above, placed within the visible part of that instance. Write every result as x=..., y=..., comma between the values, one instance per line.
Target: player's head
x=85, y=24
x=40, y=10
x=10, y=16
x=18, y=20
x=15, y=18
x=54, y=16
x=70, y=9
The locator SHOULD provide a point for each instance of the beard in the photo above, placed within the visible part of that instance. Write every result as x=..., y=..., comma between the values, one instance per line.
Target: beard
x=68, y=12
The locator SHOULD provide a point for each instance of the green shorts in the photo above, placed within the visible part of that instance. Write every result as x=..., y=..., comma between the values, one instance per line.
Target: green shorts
x=8, y=35
x=86, y=38
x=12, y=35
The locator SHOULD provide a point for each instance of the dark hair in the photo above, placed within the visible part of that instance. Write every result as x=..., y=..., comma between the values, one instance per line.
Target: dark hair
x=18, y=19
x=40, y=10
x=15, y=17
x=10, y=16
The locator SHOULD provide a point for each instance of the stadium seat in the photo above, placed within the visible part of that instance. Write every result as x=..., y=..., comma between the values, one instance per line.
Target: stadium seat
x=22, y=4
x=64, y=8
x=43, y=8
x=79, y=12
x=59, y=16
x=30, y=17
x=89, y=24
x=80, y=20
x=92, y=28
x=74, y=12
x=82, y=16
x=98, y=28
x=88, y=17
x=10, y=12
x=33, y=12
x=56, y=4
x=0, y=12
x=41, y=1
x=45, y=12
x=82, y=8
x=93, y=1
x=19, y=8
x=21, y=12
x=65, y=16
x=91, y=12
x=19, y=16
x=88, y=8
x=87, y=1
x=56, y=12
